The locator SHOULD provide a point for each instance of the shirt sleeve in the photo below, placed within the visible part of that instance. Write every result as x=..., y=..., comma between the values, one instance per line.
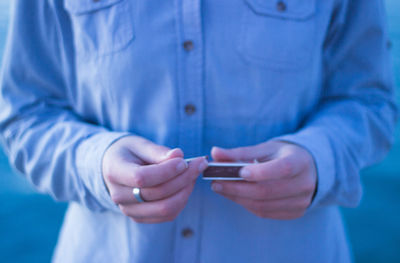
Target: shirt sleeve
x=352, y=127
x=57, y=150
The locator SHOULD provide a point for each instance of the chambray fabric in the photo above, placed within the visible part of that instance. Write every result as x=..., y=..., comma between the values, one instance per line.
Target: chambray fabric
x=79, y=74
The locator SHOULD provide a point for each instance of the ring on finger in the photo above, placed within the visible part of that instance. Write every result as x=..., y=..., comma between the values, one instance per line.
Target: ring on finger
x=137, y=195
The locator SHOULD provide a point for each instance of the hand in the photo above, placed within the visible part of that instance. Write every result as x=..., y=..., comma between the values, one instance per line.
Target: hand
x=165, y=179
x=280, y=186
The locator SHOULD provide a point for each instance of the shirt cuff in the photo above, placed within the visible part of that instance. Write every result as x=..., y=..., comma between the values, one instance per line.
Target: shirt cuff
x=317, y=144
x=89, y=164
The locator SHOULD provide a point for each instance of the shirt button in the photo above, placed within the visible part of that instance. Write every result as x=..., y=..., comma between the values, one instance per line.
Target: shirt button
x=187, y=233
x=190, y=109
x=188, y=45
x=281, y=6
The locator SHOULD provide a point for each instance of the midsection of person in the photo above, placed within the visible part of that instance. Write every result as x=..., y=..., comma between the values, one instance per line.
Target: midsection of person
x=198, y=74
x=237, y=74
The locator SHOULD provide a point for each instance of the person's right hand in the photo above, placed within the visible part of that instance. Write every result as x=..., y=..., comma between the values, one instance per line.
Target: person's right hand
x=165, y=179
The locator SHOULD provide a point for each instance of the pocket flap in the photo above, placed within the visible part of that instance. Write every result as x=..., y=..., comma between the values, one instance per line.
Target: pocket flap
x=84, y=6
x=284, y=9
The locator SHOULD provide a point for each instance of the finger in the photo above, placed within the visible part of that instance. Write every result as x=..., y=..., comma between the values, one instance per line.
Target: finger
x=283, y=215
x=261, y=208
x=177, y=183
x=150, y=152
x=248, y=153
x=240, y=189
x=122, y=195
x=252, y=190
x=270, y=190
x=279, y=168
x=165, y=208
x=153, y=220
x=133, y=175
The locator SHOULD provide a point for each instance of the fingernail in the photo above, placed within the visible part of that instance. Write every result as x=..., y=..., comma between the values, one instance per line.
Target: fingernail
x=218, y=148
x=203, y=165
x=216, y=187
x=182, y=165
x=175, y=150
x=168, y=154
x=245, y=173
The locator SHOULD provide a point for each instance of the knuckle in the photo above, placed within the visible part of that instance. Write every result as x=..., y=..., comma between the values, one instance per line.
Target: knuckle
x=112, y=178
x=307, y=188
x=166, y=210
x=287, y=167
x=138, y=179
x=124, y=210
x=116, y=198
x=303, y=204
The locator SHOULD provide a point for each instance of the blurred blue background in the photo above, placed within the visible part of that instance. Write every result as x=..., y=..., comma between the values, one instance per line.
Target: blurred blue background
x=29, y=222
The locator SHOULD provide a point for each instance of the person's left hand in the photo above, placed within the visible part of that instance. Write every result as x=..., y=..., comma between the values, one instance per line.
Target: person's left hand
x=280, y=186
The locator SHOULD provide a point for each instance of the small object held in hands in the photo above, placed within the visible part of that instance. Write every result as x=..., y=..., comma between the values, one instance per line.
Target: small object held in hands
x=137, y=195
x=188, y=160
x=222, y=171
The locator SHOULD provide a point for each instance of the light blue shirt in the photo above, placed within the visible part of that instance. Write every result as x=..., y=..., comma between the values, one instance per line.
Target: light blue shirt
x=79, y=74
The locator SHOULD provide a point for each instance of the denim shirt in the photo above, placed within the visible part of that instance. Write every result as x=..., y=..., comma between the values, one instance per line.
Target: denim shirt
x=79, y=74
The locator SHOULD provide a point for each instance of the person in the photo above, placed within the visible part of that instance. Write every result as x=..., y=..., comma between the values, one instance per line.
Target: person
x=103, y=98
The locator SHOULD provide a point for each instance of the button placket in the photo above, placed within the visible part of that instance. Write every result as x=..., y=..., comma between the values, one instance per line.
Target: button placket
x=190, y=66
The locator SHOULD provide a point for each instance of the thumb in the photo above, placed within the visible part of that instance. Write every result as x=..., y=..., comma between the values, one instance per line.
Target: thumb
x=240, y=154
x=222, y=155
x=232, y=155
x=150, y=152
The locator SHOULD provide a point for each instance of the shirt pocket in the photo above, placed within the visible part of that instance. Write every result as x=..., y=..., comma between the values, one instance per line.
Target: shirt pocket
x=101, y=27
x=278, y=34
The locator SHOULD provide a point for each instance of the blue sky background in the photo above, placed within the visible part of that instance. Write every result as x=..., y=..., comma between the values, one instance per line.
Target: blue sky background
x=29, y=222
